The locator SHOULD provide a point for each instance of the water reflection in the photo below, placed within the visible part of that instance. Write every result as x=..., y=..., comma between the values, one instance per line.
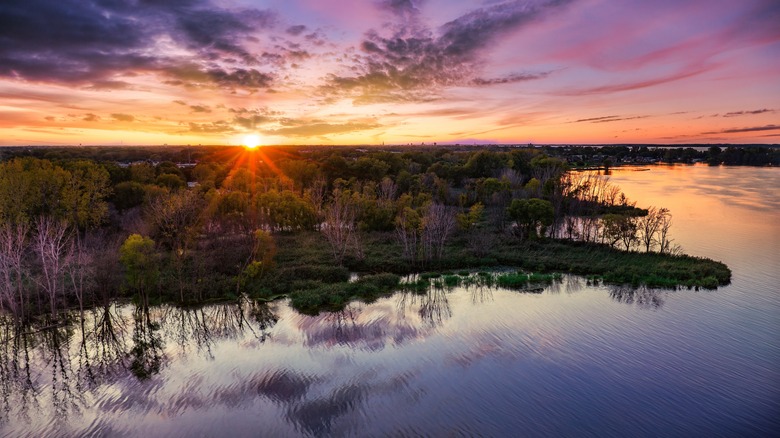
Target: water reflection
x=200, y=327
x=147, y=354
x=126, y=358
x=642, y=297
x=55, y=370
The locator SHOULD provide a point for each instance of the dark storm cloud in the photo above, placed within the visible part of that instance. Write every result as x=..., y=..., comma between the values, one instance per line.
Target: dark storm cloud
x=467, y=34
x=91, y=43
x=410, y=63
x=213, y=31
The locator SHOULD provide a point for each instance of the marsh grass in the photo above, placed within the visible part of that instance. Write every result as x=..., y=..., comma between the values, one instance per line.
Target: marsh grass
x=307, y=273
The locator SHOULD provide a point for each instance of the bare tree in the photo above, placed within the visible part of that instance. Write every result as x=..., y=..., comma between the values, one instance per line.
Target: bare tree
x=387, y=191
x=662, y=235
x=317, y=197
x=407, y=231
x=650, y=227
x=80, y=270
x=13, y=247
x=438, y=223
x=339, y=224
x=52, y=244
x=514, y=178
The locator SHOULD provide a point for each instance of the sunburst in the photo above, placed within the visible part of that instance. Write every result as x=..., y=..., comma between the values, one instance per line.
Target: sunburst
x=252, y=141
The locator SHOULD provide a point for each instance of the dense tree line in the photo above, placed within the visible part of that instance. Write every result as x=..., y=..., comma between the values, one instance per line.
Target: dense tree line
x=576, y=155
x=713, y=155
x=75, y=232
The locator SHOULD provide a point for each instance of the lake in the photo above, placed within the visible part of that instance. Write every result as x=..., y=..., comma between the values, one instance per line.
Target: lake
x=576, y=359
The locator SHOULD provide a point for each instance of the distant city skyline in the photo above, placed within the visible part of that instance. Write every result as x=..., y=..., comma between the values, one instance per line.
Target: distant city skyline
x=389, y=71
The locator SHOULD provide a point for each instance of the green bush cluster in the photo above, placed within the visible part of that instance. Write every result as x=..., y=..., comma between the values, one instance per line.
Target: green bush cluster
x=315, y=297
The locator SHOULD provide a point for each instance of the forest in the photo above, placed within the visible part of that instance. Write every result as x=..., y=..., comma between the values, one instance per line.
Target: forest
x=322, y=225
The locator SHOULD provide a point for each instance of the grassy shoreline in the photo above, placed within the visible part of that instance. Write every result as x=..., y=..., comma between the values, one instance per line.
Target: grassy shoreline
x=306, y=271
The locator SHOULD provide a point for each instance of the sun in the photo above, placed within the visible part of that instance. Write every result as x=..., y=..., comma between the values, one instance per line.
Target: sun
x=252, y=141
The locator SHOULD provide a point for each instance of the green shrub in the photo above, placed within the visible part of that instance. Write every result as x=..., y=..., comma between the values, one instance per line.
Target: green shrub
x=451, y=280
x=512, y=281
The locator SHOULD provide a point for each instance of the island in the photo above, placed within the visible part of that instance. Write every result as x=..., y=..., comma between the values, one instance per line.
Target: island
x=322, y=225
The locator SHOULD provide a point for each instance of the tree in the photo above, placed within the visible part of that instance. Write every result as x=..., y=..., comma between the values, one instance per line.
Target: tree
x=407, y=231
x=140, y=262
x=532, y=216
x=650, y=226
x=261, y=258
x=85, y=192
x=663, y=240
x=485, y=164
x=618, y=228
x=128, y=194
x=142, y=173
x=30, y=188
x=302, y=173
x=174, y=217
x=13, y=272
x=469, y=220
x=52, y=244
x=80, y=270
x=437, y=224
x=340, y=223
x=170, y=181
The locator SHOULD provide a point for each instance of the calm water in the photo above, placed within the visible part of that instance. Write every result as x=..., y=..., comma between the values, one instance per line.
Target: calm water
x=573, y=360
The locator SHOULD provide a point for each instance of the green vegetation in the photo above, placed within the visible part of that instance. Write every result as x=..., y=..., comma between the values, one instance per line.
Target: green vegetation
x=319, y=296
x=287, y=221
x=544, y=258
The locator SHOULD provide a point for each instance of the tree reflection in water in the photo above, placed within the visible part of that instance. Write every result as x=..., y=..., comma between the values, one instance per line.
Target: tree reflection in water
x=104, y=345
x=570, y=284
x=201, y=327
x=147, y=352
x=57, y=369
x=432, y=305
x=345, y=329
x=643, y=297
x=49, y=372
x=481, y=294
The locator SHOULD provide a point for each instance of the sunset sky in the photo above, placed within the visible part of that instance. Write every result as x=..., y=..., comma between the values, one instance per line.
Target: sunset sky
x=393, y=71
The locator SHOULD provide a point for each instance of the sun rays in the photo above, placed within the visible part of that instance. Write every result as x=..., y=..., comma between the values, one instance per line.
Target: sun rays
x=251, y=141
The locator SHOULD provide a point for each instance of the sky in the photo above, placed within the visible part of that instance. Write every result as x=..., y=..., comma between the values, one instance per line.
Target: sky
x=389, y=71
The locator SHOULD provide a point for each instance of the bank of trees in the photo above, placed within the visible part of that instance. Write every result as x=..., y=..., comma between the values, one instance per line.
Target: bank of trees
x=75, y=231
x=47, y=212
